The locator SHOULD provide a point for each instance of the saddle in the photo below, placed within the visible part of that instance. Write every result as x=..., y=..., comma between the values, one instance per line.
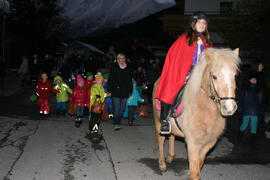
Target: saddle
x=177, y=106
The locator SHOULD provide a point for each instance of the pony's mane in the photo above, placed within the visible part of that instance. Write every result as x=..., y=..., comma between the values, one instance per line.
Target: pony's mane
x=219, y=58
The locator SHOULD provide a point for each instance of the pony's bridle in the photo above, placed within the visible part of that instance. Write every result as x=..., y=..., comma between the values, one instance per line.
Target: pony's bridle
x=214, y=94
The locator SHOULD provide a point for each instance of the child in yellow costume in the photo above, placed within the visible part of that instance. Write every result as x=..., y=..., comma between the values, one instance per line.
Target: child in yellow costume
x=97, y=98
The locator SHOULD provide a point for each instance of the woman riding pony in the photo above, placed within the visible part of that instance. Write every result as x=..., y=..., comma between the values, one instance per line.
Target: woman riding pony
x=182, y=56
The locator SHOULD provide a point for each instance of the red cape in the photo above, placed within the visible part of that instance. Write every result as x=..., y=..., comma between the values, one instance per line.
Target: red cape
x=176, y=67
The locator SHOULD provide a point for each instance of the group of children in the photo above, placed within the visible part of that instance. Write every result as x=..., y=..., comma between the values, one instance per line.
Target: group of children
x=86, y=93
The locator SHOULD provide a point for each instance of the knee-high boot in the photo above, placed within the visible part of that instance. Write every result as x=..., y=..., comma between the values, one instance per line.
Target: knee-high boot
x=164, y=118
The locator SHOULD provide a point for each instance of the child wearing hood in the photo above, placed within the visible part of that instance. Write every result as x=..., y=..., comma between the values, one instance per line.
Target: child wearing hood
x=132, y=103
x=43, y=90
x=79, y=95
x=61, y=97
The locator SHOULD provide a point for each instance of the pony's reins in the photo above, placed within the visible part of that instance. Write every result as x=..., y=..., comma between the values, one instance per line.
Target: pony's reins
x=213, y=91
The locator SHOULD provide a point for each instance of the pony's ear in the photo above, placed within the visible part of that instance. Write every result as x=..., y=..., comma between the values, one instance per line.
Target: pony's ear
x=236, y=51
x=208, y=55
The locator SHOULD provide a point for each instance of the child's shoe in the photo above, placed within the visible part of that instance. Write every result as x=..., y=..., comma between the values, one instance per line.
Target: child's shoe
x=130, y=122
x=63, y=112
x=110, y=116
x=57, y=112
x=95, y=137
x=46, y=114
x=41, y=115
x=77, y=122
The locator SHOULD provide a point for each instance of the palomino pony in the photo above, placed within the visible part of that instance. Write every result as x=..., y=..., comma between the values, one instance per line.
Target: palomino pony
x=208, y=97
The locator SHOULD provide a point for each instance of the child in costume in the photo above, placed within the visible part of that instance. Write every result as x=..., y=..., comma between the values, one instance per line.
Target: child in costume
x=43, y=90
x=97, y=96
x=79, y=95
x=108, y=100
x=132, y=104
x=61, y=97
x=182, y=56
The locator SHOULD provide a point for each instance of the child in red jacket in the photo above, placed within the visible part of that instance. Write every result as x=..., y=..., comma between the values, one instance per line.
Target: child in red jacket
x=43, y=90
x=79, y=95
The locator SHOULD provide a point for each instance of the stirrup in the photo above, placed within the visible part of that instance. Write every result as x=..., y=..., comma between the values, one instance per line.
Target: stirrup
x=166, y=132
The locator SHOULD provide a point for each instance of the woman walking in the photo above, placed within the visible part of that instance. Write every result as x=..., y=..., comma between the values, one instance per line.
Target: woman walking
x=120, y=87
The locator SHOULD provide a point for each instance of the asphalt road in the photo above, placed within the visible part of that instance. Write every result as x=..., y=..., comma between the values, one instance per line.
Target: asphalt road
x=54, y=149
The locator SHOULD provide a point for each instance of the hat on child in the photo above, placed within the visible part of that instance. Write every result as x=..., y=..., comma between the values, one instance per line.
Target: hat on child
x=99, y=76
x=79, y=79
x=56, y=78
x=88, y=74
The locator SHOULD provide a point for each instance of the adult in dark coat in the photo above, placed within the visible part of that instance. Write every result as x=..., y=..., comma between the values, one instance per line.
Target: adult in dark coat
x=120, y=87
x=250, y=105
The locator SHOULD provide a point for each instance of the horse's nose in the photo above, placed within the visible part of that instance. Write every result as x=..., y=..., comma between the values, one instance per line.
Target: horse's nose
x=229, y=109
x=226, y=110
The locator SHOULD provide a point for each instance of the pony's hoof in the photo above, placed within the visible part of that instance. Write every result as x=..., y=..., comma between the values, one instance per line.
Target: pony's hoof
x=169, y=159
x=163, y=168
